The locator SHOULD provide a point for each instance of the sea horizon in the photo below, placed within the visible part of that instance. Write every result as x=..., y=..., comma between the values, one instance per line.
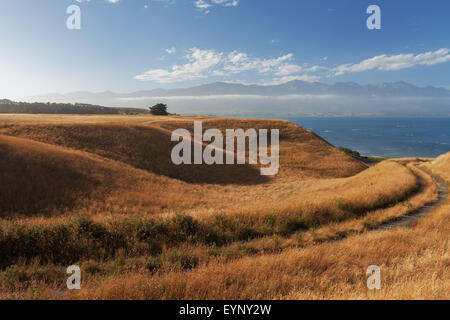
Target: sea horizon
x=387, y=137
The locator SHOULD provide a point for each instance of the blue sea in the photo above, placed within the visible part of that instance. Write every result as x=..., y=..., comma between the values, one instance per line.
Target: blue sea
x=384, y=137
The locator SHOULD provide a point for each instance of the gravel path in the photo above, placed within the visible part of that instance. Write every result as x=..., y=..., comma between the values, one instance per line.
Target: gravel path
x=409, y=218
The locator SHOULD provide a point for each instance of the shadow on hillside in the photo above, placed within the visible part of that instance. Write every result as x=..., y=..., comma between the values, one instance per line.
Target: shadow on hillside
x=36, y=179
x=143, y=147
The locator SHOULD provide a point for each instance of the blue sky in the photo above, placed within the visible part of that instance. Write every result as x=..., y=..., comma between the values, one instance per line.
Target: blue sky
x=129, y=45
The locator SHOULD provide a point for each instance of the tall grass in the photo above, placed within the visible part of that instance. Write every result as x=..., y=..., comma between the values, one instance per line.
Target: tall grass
x=414, y=264
x=80, y=190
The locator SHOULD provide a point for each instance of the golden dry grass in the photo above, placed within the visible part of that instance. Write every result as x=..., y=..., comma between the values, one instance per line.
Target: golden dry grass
x=414, y=264
x=236, y=230
x=146, y=145
x=162, y=188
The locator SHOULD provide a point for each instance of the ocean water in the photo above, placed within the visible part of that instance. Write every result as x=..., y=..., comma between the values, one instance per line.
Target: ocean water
x=384, y=137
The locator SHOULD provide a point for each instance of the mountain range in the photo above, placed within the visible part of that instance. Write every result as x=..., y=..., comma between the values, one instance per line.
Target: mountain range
x=294, y=98
x=296, y=87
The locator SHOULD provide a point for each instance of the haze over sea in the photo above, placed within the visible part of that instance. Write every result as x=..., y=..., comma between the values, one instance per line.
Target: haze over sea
x=384, y=137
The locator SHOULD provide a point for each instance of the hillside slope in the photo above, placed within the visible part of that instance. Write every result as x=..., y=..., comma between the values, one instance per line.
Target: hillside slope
x=105, y=168
x=101, y=192
x=148, y=146
x=39, y=178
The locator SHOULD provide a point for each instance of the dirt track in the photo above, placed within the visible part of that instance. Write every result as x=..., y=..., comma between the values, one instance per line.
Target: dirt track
x=408, y=219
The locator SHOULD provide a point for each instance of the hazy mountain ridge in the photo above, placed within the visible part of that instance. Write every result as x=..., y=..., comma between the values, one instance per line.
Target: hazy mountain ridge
x=391, y=89
x=291, y=98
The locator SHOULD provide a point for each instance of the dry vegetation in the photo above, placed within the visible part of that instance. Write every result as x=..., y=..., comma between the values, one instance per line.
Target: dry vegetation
x=101, y=192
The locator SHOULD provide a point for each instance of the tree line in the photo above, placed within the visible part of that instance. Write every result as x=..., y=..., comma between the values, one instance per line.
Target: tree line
x=8, y=106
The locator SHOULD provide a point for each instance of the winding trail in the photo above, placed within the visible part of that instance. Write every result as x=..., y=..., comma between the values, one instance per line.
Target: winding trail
x=408, y=219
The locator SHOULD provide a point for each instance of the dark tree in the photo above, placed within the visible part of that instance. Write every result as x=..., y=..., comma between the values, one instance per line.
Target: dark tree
x=159, y=109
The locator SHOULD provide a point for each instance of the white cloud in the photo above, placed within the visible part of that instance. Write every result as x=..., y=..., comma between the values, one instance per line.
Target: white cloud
x=171, y=50
x=202, y=4
x=209, y=63
x=205, y=5
x=395, y=62
x=287, y=69
x=238, y=62
x=200, y=61
x=112, y=1
x=205, y=63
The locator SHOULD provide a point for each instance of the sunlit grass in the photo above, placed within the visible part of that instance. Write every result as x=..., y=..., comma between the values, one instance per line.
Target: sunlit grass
x=101, y=192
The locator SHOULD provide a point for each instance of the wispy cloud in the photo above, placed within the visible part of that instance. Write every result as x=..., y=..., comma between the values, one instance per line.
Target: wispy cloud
x=171, y=50
x=395, y=62
x=200, y=61
x=210, y=63
x=205, y=5
x=237, y=62
x=205, y=63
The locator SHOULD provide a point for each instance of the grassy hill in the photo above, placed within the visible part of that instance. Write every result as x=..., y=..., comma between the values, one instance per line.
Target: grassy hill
x=107, y=184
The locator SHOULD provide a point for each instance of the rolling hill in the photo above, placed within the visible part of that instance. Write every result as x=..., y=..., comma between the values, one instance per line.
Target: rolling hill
x=101, y=191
